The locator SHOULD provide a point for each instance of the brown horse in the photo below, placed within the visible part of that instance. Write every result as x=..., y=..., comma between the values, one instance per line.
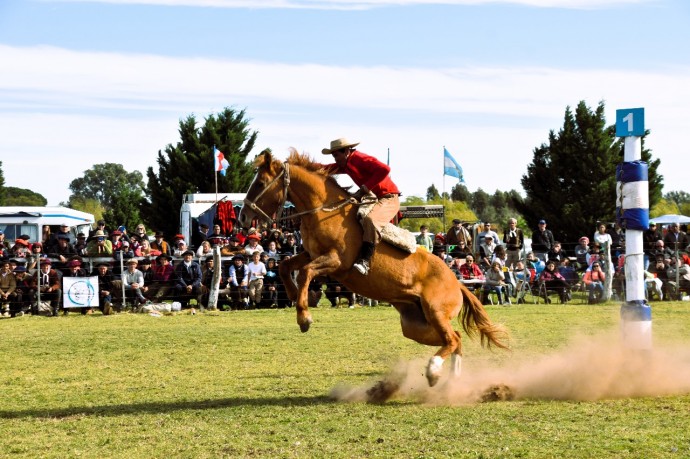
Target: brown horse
x=419, y=285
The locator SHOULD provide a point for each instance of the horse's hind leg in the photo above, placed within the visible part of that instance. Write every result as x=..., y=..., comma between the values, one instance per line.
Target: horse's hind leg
x=456, y=360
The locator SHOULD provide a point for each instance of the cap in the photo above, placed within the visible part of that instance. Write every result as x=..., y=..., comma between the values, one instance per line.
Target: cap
x=187, y=252
x=103, y=263
x=45, y=261
x=238, y=257
x=20, y=269
x=73, y=263
x=145, y=261
x=542, y=222
x=456, y=221
x=178, y=236
x=100, y=222
x=164, y=256
x=122, y=228
x=652, y=224
x=116, y=233
x=132, y=261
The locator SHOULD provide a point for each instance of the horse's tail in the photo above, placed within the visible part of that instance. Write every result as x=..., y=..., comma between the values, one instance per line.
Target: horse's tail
x=475, y=319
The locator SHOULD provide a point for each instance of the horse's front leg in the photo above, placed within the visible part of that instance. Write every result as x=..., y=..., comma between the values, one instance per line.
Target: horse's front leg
x=286, y=268
x=319, y=266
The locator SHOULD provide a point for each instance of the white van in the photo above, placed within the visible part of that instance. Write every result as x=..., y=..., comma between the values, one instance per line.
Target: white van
x=18, y=220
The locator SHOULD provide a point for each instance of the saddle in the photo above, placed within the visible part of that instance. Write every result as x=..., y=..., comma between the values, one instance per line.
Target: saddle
x=394, y=235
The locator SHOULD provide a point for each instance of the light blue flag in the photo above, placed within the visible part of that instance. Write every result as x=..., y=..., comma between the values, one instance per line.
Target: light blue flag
x=451, y=166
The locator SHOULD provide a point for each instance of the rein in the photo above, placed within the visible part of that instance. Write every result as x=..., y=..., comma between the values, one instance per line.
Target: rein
x=286, y=184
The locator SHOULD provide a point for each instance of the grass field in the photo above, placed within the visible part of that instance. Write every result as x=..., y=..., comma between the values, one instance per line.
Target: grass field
x=249, y=384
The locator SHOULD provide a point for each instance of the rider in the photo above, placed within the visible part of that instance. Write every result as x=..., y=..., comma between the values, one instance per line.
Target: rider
x=371, y=175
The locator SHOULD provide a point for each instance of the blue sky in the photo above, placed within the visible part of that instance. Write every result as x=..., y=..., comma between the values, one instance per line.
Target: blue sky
x=89, y=82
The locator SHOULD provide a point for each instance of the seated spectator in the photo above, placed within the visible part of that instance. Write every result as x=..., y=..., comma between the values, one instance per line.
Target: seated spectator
x=443, y=255
x=140, y=232
x=552, y=280
x=36, y=254
x=74, y=269
x=160, y=244
x=50, y=281
x=20, y=249
x=271, y=250
x=80, y=245
x=289, y=247
x=23, y=291
x=532, y=262
x=99, y=246
x=133, y=280
x=660, y=249
x=8, y=287
x=257, y=271
x=200, y=235
x=116, y=240
x=556, y=253
x=253, y=245
x=653, y=285
x=63, y=252
x=163, y=278
x=207, y=274
x=461, y=251
x=595, y=255
x=470, y=270
x=486, y=251
x=275, y=235
x=495, y=282
x=146, y=250
x=678, y=275
x=568, y=272
x=204, y=250
x=100, y=226
x=238, y=283
x=187, y=279
x=581, y=252
x=4, y=243
x=180, y=247
x=455, y=266
x=500, y=255
x=105, y=287
x=594, y=281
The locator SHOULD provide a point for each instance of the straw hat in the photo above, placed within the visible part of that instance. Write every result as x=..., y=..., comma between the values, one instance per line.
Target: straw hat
x=339, y=144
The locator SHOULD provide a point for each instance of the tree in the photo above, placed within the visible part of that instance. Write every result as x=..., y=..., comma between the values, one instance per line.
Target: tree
x=432, y=193
x=571, y=181
x=460, y=193
x=188, y=166
x=2, y=187
x=119, y=192
x=679, y=197
x=22, y=197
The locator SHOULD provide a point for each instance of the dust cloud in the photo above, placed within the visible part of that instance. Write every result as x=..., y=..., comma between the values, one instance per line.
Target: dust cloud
x=586, y=369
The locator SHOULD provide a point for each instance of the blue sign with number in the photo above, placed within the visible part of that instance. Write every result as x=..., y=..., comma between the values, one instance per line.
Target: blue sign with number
x=630, y=122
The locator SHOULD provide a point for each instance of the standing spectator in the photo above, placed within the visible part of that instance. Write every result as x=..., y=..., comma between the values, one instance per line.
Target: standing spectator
x=160, y=244
x=456, y=234
x=257, y=271
x=4, y=244
x=187, y=279
x=675, y=239
x=649, y=238
x=200, y=235
x=514, y=240
x=481, y=237
x=542, y=240
x=140, y=232
x=207, y=274
x=271, y=281
x=100, y=226
x=424, y=239
x=594, y=281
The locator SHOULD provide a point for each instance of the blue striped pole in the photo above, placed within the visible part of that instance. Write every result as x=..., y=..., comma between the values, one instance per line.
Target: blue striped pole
x=632, y=213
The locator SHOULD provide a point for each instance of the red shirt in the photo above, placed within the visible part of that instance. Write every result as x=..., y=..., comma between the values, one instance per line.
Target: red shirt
x=368, y=171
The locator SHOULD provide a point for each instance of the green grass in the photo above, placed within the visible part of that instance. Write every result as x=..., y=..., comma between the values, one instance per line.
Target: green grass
x=249, y=384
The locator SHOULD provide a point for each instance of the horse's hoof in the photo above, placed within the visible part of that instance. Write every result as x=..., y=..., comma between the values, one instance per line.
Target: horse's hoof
x=433, y=370
x=304, y=325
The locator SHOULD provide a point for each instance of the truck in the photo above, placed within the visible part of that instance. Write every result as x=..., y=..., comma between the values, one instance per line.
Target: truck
x=31, y=220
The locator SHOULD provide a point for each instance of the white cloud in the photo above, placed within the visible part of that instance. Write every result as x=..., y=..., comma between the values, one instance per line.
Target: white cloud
x=63, y=111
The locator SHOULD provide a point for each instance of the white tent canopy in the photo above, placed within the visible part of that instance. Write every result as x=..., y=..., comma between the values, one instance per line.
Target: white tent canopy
x=670, y=218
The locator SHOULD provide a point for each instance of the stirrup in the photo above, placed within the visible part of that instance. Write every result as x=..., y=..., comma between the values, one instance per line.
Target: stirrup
x=362, y=266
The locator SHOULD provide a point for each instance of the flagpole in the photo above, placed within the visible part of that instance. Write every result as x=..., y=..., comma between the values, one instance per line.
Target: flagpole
x=388, y=160
x=215, y=172
x=444, y=190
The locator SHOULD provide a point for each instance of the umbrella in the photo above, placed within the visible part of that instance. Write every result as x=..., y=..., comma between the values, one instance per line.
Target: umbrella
x=670, y=218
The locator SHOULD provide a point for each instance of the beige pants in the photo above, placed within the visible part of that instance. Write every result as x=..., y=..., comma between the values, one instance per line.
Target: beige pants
x=380, y=215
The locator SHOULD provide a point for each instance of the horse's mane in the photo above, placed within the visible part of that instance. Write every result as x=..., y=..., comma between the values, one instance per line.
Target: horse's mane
x=304, y=160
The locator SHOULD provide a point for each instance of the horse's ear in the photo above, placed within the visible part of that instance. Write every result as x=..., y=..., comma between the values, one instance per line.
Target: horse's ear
x=263, y=159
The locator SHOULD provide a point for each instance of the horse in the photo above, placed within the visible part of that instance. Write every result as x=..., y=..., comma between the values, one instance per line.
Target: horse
x=419, y=285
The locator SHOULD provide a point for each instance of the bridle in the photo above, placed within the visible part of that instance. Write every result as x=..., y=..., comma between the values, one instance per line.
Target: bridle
x=285, y=173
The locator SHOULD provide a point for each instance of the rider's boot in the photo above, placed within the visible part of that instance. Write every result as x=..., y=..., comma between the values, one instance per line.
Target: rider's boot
x=362, y=265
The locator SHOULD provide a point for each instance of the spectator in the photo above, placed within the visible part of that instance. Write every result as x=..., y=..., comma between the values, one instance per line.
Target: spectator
x=36, y=255
x=50, y=281
x=556, y=253
x=253, y=245
x=99, y=246
x=457, y=234
x=4, y=244
x=257, y=271
x=675, y=239
x=163, y=278
x=471, y=271
x=8, y=287
x=179, y=246
x=63, y=252
x=200, y=235
x=207, y=274
x=581, y=253
x=658, y=268
x=140, y=232
x=187, y=279
x=133, y=280
x=594, y=281
x=100, y=226
x=424, y=239
x=649, y=239
x=289, y=247
x=204, y=250
x=20, y=249
x=80, y=245
x=542, y=241
x=146, y=250
x=481, y=237
x=441, y=253
x=116, y=240
x=74, y=269
x=514, y=240
x=271, y=281
x=486, y=251
x=461, y=251
x=552, y=280
x=678, y=275
x=660, y=249
x=23, y=291
x=495, y=282
x=238, y=282
x=160, y=244
x=105, y=287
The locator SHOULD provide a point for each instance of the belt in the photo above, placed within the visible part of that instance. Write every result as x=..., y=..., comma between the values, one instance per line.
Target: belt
x=389, y=195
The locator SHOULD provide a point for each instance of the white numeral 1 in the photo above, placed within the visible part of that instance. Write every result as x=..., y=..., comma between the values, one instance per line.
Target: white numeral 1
x=629, y=119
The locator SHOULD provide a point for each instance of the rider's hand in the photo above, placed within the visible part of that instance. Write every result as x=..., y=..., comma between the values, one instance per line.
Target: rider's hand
x=361, y=192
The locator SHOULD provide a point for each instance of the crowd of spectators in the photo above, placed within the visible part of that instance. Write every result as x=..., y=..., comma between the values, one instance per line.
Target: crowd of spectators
x=147, y=267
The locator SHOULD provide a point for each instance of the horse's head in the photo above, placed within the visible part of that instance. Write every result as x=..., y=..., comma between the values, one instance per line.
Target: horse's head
x=267, y=193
